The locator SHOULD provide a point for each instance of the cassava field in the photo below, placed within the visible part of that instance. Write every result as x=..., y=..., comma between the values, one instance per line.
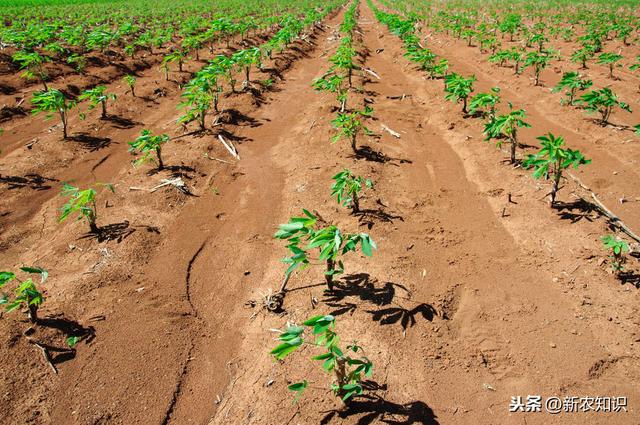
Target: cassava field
x=319, y=212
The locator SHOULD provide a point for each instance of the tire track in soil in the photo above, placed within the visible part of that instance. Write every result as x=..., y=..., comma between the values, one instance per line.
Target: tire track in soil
x=177, y=392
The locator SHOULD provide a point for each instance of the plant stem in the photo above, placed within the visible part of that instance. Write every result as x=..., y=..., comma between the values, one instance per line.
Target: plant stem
x=93, y=226
x=341, y=376
x=557, y=175
x=63, y=118
x=329, y=277
x=159, y=154
x=33, y=313
x=514, y=144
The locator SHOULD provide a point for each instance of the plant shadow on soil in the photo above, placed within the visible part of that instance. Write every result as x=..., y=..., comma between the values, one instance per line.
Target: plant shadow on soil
x=117, y=232
x=121, y=122
x=364, y=288
x=583, y=209
x=630, y=277
x=577, y=210
x=30, y=181
x=175, y=171
x=368, y=216
x=235, y=117
x=91, y=143
x=373, y=409
x=70, y=328
x=369, y=154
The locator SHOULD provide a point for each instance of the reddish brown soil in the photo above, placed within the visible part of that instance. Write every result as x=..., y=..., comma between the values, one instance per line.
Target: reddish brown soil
x=469, y=300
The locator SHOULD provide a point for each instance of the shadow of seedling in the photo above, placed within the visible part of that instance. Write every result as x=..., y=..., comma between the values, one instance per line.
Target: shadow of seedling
x=372, y=409
x=175, y=171
x=56, y=355
x=357, y=286
x=273, y=73
x=117, y=232
x=361, y=286
x=121, y=122
x=368, y=217
x=577, y=210
x=31, y=181
x=369, y=154
x=235, y=117
x=256, y=95
x=406, y=317
x=70, y=328
x=630, y=277
x=91, y=143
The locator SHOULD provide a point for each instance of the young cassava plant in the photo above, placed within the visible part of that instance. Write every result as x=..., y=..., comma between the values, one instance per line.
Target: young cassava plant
x=582, y=56
x=197, y=103
x=349, y=125
x=347, y=189
x=348, y=371
x=303, y=236
x=610, y=59
x=538, y=61
x=603, y=101
x=26, y=294
x=572, y=82
x=53, y=101
x=617, y=248
x=130, y=81
x=458, y=88
x=484, y=104
x=333, y=83
x=552, y=160
x=148, y=146
x=33, y=65
x=81, y=203
x=506, y=126
x=97, y=96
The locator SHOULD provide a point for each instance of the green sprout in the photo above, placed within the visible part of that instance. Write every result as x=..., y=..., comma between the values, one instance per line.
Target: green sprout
x=82, y=203
x=26, y=293
x=572, y=82
x=149, y=145
x=458, y=88
x=52, y=101
x=552, y=160
x=347, y=189
x=329, y=241
x=617, y=248
x=97, y=96
x=348, y=371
